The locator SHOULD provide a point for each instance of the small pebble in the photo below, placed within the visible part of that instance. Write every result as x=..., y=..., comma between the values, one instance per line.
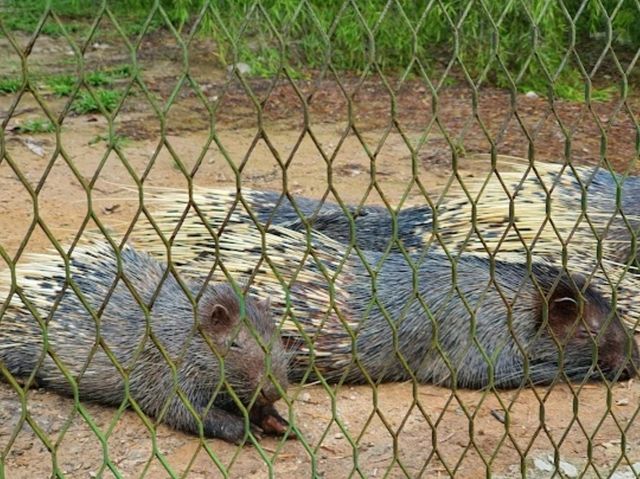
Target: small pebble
x=305, y=397
x=542, y=465
x=627, y=472
x=547, y=465
x=568, y=469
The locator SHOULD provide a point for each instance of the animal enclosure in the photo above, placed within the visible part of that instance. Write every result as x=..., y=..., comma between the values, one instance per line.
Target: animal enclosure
x=108, y=110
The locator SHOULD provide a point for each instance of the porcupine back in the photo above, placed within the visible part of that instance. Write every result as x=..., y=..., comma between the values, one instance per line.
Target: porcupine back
x=373, y=224
x=373, y=228
x=548, y=210
x=386, y=319
x=492, y=228
x=534, y=226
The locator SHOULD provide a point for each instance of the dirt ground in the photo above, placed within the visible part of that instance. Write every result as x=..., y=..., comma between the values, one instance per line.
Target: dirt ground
x=396, y=430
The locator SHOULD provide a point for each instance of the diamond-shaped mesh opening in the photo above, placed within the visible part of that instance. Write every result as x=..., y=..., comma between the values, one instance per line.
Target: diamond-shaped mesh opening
x=438, y=198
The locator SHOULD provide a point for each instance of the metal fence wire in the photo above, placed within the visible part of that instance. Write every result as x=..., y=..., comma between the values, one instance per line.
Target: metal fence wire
x=319, y=239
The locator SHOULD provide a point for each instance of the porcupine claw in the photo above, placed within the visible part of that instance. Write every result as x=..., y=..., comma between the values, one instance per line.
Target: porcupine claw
x=276, y=425
x=270, y=421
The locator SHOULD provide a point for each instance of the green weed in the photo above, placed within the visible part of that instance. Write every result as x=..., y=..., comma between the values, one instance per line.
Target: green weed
x=115, y=141
x=85, y=102
x=121, y=71
x=36, y=125
x=487, y=43
x=108, y=76
x=496, y=42
x=98, y=78
x=10, y=85
x=61, y=85
x=24, y=15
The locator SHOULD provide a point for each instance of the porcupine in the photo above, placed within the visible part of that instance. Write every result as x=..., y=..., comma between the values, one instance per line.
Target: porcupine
x=565, y=225
x=273, y=208
x=78, y=339
x=531, y=226
x=379, y=327
x=374, y=230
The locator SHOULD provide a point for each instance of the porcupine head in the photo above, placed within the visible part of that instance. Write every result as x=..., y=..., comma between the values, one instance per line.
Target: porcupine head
x=556, y=331
x=246, y=343
x=579, y=336
x=584, y=322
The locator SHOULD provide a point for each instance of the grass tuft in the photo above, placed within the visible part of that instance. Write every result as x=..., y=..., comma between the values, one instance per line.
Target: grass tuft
x=522, y=45
x=10, y=85
x=61, y=85
x=86, y=103
x=36, y=125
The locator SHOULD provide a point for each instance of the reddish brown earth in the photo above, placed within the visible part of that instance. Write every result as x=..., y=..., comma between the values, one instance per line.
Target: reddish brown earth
x=390, y=430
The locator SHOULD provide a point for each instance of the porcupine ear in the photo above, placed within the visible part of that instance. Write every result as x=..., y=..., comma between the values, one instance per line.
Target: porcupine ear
x=218, y=320
x=564, y=312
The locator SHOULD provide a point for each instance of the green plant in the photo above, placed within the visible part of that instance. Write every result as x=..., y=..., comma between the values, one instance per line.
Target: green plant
x=121, y=71
x=570, y=86
x=108, y=76
x=24, y=15
x=115, y=141
x=98, y=78
x=61, y=85
x=10, y=84
x=504, y=42
x=36, y=125
x=86, y=103
x=521, y=44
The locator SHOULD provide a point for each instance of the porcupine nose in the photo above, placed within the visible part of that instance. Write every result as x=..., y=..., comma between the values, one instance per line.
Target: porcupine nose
x=632, y=366
x=622, y=365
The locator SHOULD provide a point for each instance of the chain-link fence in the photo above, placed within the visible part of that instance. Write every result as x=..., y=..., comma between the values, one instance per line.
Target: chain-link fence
x=324, y=239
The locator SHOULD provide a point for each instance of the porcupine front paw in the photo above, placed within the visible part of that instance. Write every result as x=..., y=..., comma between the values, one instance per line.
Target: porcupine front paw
x=270, y=421
x=229, y=427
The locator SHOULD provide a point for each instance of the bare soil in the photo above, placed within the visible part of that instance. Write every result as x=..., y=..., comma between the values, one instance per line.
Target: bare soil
x=390, y=430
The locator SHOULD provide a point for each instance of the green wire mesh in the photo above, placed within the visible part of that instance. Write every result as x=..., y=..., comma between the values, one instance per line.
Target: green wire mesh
x=108, y=107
